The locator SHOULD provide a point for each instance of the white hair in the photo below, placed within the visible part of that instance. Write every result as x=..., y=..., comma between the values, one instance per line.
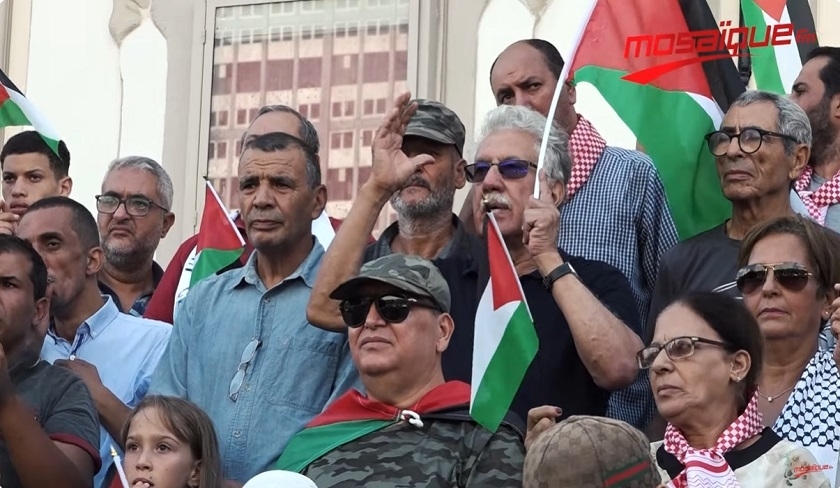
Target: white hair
x=164, y=187
x=558, y=160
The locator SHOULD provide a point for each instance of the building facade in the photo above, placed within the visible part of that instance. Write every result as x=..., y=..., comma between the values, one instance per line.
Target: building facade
x=179, y=80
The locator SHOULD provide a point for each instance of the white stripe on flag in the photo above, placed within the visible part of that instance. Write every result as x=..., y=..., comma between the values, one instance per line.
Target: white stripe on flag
x=787, y=55
x=490, y=328
x=36, y=118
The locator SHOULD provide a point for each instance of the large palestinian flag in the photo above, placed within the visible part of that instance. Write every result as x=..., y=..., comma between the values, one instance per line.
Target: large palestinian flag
x=669, y=113
x=15, y=111
x=776, y=67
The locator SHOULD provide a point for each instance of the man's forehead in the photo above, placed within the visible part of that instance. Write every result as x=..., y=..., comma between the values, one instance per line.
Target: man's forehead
x=23, y=163
x=759, y=114
x=130, y=181
x=283, y=160
x=810, y=73
x=269, y=122
x=506, y=143
x=14, y=264
x=44, y=220
x=519, y=60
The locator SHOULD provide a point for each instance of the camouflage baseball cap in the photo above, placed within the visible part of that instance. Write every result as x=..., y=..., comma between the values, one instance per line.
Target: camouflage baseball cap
x=591, y=452
x=411, y=274
x=435, y=121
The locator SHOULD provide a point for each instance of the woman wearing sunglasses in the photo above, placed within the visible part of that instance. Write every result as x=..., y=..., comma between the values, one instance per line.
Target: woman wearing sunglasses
x=787, y=272
x=704, y=363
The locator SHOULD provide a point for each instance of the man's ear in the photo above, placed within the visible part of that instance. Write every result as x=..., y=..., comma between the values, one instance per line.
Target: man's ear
x=41, y=320
x=446, y=326
x=460, y=173
x=558, y=193
x=95, y=259
x=65, y=186
x=319, y=202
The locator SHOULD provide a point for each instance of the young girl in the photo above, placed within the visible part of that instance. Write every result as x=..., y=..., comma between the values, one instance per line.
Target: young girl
x=170, y=443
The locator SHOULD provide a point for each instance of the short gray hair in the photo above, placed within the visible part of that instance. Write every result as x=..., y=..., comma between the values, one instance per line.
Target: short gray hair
x=558, y=161
x=164, y=187
x=790, y=120
x=308, y=134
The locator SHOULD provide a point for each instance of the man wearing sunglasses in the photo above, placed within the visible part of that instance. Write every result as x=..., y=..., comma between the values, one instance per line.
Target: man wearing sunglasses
x=411, y=425
x=241, y=348
x=761, y=148
x=134, y=215
x=423, y=201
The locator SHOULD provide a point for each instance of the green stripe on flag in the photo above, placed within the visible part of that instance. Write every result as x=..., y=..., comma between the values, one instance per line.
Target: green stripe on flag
x=312, y=443
x=11, y=115
x=210, y=261
x=503, y=377
x=670, y=125
x=765, y=66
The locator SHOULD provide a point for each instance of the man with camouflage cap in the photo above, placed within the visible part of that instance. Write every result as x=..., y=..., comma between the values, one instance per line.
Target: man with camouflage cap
x=425, y=224
x=411, y=427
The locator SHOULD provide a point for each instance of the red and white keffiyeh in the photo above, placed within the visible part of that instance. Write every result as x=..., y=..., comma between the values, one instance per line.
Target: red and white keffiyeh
x=707, y=468
x=817, y=202
x=586, y=146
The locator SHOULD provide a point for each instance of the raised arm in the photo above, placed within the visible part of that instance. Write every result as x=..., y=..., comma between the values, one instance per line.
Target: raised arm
x=391, y=169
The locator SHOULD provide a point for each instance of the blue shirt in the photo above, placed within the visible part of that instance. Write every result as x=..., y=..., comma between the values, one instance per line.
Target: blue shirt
x=621, y=216
x=125, y=350
x=297, y=369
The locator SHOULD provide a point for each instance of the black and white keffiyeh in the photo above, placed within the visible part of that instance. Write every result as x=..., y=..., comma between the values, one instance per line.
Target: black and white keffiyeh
x=810, y=416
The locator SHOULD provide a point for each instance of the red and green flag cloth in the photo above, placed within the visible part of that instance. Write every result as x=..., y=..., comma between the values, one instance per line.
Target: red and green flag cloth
x=17, y=111
x=353, y=416
x=775, y=68
x=668, y=113
x=219, y=241
x=505, y=341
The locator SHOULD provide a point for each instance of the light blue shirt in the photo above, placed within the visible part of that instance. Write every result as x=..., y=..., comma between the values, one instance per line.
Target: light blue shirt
x=125, y=350
x=298, y=368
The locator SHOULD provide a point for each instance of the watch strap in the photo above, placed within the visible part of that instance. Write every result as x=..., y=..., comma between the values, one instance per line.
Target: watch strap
x=556, y=274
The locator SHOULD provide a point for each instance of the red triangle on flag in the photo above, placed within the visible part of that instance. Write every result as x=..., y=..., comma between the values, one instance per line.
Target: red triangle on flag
x=773, y=8
x=503, y=277
x=217, y=229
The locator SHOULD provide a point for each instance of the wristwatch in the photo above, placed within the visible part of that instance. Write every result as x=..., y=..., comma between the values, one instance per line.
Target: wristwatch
x=557, y=273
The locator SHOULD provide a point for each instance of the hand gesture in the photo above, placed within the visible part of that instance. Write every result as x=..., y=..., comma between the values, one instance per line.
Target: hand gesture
x=391, y=167
x=84, y=370
x=541, y=224
x=8, y=220
x=540, y=419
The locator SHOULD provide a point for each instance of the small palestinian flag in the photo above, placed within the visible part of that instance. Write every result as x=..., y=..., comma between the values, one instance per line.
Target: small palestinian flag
x=17, y=111
x=669, y=101
x=219, y=241
x=775, y=67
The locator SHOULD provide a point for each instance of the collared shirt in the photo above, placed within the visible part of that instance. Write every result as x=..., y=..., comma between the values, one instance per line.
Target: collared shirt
x=461, y=243
x=297, y=369
x=139, y=306
x=125, y=350
x=621, y=217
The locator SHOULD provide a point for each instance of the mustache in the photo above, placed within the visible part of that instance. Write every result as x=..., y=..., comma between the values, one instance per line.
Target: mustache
x=276, y=217
x=417, y=180
x=495, y=200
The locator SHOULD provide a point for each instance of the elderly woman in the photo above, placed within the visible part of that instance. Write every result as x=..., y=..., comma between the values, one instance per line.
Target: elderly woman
x=786, y=276
x=704, y=364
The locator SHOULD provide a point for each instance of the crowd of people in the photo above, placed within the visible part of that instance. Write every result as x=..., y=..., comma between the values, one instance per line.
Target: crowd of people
x=709, y=361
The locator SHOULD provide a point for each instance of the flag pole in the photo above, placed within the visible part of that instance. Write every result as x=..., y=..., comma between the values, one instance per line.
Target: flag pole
x=564, y=74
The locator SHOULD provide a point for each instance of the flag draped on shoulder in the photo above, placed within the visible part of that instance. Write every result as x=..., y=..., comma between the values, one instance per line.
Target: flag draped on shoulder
x=17, y=111
x=505, y=340
x=776, y=65
x=668, y=110
x=219, y=241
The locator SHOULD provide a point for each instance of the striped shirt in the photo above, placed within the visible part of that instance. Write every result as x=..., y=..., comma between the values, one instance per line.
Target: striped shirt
x=620, y=216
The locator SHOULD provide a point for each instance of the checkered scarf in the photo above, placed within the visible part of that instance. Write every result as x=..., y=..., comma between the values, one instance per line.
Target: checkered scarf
x=818, y=201
x=586, y=146
x=707, y=468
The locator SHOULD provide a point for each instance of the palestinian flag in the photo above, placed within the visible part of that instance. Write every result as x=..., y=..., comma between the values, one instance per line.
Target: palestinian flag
x=353, y=416
x=505, y=340
x=776, y=67
x=219, y=241
x=16, y=111
x=669, y=102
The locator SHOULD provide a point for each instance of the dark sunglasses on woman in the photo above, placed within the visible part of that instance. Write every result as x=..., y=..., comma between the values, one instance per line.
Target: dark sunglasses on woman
x=791, y=276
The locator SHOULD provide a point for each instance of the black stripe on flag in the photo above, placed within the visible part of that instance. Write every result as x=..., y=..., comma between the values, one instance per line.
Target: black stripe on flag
x=722, y=76
x=5, y=81
x=803, y=20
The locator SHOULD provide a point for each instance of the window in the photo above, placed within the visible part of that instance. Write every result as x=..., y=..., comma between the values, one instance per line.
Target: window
x=346, y=29
x=213, y=119
x=367, y=138
x=368, y=107
x=379, y=27
x=223, y=37
x=283, y=8
x=224, y=13
x=223, y=118
x=211, y=150
x=311, y=6
x=346, y=4
x=380, y=106
x=279, y=33
x=252, y=114
x=380, y=3
x=314, y=112
x=241, y=117
x=336, y=111
x=252, y=11
x=349, y=108
x=238, y=150
x=248, y=76
x=335, y=140
x=347, y=141
x=221, y=150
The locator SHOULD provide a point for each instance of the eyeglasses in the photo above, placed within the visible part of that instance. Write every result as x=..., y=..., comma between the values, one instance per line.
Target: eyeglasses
x=392, y=308
x=134, y=206
x=510, y=169
x=749, y=140
x=677, y=348
x=248, y=355
x=791, y=276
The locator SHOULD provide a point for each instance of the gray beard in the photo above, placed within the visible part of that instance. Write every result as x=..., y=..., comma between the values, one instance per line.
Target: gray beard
x=129, y=259
x=431, y=206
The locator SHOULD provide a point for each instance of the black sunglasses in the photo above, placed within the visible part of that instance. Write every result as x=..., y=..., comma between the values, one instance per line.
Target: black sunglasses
x=749, y=140
x=791, y=276
x=510, y=169
x=392, y=308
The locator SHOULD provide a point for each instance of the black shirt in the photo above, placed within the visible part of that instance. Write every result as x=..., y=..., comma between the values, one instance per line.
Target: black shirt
x=462, y=242
x=557, y=376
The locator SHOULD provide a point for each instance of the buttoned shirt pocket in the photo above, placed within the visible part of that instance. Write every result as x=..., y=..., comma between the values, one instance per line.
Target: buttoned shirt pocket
x=299, y=372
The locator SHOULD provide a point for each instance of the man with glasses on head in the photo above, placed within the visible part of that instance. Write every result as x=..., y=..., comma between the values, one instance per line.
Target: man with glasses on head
x=134, y=215
x=241, y=348
x=416, y=427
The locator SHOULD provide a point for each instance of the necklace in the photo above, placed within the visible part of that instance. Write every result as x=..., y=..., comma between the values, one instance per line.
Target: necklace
x=773, y=397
